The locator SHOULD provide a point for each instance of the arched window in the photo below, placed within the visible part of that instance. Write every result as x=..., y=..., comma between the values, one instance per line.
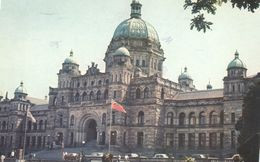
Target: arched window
x=91, y=95
x=40, y=125
x=98, y=95
x=181, y=119
x=213, y=118
x=192, y=118
x=169, y=118
x=202, y=118
x=77, y=97
x=29, y=125
x=106, y=94
x=84, y=96
x=146, y=92
x=141, y=118
x=35, y=126
x=138, y=93
x=113, y=137
x=72, y=120
x=99, y=82
x=162, y=93
x=107, y=81
x=104, y=118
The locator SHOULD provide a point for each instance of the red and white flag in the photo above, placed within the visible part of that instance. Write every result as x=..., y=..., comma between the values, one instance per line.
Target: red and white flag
x=117, y=106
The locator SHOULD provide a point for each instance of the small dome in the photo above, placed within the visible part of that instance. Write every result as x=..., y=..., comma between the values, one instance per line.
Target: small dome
x=236, y=62
x=209, y=86
x=70, y=60
x=122, y=51
x=20, y=89
x=185, y=75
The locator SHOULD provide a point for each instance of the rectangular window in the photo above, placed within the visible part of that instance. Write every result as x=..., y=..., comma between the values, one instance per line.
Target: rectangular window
x=169, y=139
x=140, y=139
x=233, y=118
x=191, y=141
x=213, y=140
x=114, y=94
x=113, y=117
x=202, y=140
x=137, y=63
x=181, y=140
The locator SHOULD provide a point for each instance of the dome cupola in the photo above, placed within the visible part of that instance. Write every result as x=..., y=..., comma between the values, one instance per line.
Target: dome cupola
x=135, y=27
x=236, y=63
x=209, y=86
x=185, y=75
x=70, y=60
x=20, y=92
x=122, y=51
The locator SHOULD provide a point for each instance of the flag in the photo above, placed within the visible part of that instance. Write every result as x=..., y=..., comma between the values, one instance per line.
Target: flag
x=30, y=116
x=117, y=106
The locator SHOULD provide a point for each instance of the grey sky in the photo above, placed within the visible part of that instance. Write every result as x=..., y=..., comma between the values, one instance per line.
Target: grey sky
x=37, y=35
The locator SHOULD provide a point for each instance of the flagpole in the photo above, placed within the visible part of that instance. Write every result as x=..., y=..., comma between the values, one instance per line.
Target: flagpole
x=109, y=144
x=25, y=128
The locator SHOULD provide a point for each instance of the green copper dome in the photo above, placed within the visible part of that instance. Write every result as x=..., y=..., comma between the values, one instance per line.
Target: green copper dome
x=122, y=51
x=70, y=60
x=236, y=62
x=184, y=75
x=135, y=27
x=20, y=89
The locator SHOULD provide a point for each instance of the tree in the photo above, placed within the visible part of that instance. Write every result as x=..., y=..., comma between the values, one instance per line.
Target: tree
x=249, y=124
x=199, y=7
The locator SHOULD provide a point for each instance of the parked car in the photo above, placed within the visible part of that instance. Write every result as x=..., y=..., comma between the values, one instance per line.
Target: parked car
x=97, y=154
x=198, y=156
x=132, y=155
x=161, y=156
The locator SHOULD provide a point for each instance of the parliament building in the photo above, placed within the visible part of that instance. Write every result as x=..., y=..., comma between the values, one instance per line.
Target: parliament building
x=162, y=115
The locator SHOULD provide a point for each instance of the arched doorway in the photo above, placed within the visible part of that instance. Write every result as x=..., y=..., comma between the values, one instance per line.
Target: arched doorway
x=91, y=130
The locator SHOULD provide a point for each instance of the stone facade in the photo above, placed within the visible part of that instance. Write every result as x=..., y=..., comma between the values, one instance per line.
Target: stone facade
x=161, y=115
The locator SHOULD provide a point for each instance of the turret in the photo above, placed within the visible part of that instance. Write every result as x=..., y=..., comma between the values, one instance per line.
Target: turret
x=20, y=92
x=185, y=80
x=209, y=86
x=70, y=68
x=234, y=81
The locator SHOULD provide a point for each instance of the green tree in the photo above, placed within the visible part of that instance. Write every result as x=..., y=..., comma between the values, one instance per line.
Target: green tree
x=249, y=124
x=200, y=7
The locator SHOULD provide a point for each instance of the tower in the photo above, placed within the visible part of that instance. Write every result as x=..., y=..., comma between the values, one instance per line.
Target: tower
x=234, y=84
x=185, y=80
x=141, y=40
x=20, y=92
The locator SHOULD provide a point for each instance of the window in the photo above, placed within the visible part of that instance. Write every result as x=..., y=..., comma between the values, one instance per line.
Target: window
x=92, y=83
x=84, y=96
x=33, y=141
x=91, y=95
x=137, y=93
x=78, y=84
x=146, y=92
x=113, y=138
x=137, y=63
x=107, y=81
x=45, y=124
x=113, y=117
x=141, y=118
x=72, y=120
x=202, y=118
x=192, y=118
x=169, y=139
x=99, y=82
x=181, y=119
x=125, y=119
x=143, y=63
x=221, y=117
x=61, y=120
x=98, y=95
x=212, y=140
x=213, y=118
x=106, y=94
x=233, y=139
x=34, y=126
x=62, y=99
x=39, y=141
x=29, y=125
x=202, y=140
x=140, y=139
x=191, y=140
x=169, y=118
x=124, y=139
x=181, y=140
x=77, y=97
x=233, y=118
x=221, y=140
x=71, y=138
x=40, y=125
x=104, y=118
x=162, y=93
x=115, y=95
x=85, y=84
